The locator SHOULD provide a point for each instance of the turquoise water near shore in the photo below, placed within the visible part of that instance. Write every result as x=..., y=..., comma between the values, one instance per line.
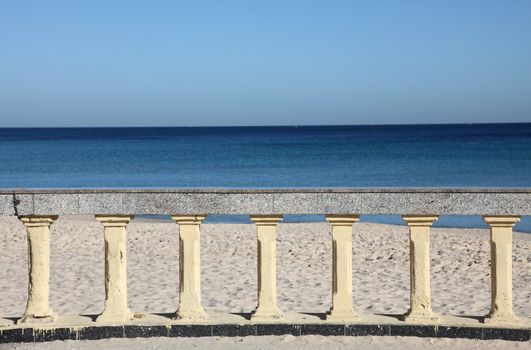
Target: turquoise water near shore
x=479, y=155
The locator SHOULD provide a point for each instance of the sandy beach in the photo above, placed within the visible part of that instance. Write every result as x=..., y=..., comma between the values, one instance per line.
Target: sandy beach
x=460, y=274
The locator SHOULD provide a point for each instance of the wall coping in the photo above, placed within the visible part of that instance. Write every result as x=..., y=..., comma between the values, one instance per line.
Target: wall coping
x=238, y=201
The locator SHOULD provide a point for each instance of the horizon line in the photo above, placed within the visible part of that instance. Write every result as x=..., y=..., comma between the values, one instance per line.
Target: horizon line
x=255, y=126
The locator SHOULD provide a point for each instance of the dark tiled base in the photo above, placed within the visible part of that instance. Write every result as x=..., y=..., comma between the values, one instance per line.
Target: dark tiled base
x=103, y=332
x=145, y=331
x=54, y=334
x=190, y=331
x=233, y=330
x=359, y=330
x=18, y=335
x=413, y=331
x=459, y=332
x=323, y=329
x=278, y=329
x=507, y=334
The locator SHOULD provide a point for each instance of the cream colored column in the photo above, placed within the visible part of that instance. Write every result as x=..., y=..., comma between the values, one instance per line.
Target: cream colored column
x=342, y=267
x=501, y=240
x=116, y=309
x=189, y=267
x=419, y=259
x=37, y=308
x=267, y=309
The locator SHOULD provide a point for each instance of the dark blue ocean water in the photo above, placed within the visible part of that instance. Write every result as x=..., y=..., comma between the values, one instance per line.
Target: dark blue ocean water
x=480, y=155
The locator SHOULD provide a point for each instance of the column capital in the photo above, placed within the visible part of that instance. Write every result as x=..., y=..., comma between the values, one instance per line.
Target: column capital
x=188, y=219
x=114, y=220
x=342, y=219
x=38, y=221
x=266, y=220
x=420, y=220
x=501, y=221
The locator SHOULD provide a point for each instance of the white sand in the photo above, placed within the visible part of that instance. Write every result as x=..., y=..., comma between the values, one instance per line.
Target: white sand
x=460, y=270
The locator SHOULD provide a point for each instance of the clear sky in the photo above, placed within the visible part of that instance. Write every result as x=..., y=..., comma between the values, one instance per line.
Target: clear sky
x=181, y=63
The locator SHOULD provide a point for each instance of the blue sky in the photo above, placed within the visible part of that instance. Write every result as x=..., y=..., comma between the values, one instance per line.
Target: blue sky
x=182, y=63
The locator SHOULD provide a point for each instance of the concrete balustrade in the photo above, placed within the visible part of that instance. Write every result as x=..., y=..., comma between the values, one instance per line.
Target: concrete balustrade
x=37, y=210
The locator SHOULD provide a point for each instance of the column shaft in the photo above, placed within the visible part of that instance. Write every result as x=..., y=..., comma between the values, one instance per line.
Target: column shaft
x=342, y=267
x=419, y=251
x=501, y=234
x=189, y=268
x=116, y=309
x=266, y=267
x=38, y=230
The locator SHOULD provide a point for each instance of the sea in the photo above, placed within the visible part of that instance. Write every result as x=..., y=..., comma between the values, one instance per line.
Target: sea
x=454, y=155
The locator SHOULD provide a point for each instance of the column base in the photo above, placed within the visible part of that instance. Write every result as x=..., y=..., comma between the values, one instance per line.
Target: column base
x=187, y=314
x=501, y=319
x=37, y=319
x=420, y=318
x=341, y=315
x=108, y=317
x=266, y=315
